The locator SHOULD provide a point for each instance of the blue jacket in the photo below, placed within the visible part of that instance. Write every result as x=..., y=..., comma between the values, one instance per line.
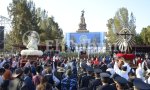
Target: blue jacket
x=28, y=82
x=69, y=84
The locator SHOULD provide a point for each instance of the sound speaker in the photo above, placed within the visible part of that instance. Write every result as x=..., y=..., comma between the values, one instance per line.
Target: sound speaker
x=1, y=37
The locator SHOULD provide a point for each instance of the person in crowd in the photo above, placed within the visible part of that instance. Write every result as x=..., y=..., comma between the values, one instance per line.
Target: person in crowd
x=14, y=64
x=105, y=77
x=94, y=83
x=103, y=65
x=86, y=78
x=60, y=75
x=3, y=61
x=131, y=75
x=89, y=62
x=96, y=62
x=147, y=79
x=82, y=72
x=17, y=82
x=124, y=72
x=139, y=84
x=2, y=70
x=28, y=64
x=27, y=79
x=111, y=64
x=7, y=76
x=36, y=78
x=146, y=64
x=44, y=69
x=52, y=79
x=44, y=85
x=118, y=67
x=74, y=67
x=140, y=72
x=139, y=60
x=121, y=83
x=69, y=82
x=33, y=68
x=111, y=72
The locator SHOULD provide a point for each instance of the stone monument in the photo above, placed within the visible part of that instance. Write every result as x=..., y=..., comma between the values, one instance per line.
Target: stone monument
x=82, y=24
x=31, y=40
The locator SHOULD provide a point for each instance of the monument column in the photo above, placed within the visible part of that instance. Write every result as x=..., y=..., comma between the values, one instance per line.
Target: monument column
x=82, y=24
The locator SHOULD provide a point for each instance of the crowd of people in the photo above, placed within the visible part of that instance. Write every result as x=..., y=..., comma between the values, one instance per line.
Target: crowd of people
x=58, y=73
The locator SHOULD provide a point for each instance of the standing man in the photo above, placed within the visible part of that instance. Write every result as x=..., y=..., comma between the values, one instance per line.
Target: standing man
x=27, y=79
x=118, y=66
x=105, y=77
x=94, y=83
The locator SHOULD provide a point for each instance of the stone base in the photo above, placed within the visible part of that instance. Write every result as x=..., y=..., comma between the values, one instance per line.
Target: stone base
x=82, y=31
x=31, y=52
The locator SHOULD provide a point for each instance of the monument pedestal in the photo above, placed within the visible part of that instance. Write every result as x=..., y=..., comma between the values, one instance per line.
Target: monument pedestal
x=82, y=31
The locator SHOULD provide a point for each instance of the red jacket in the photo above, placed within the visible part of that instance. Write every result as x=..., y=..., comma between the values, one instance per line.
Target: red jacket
x=96, y=62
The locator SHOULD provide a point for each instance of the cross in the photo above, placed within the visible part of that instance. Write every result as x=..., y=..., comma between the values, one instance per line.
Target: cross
x=125, y=34
x=82, y=12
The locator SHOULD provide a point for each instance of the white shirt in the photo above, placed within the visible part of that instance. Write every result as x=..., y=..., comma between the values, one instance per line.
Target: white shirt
x=124, y=74
x=88, y=63
x=120, y=72
x=116, y=69
x=139, y=73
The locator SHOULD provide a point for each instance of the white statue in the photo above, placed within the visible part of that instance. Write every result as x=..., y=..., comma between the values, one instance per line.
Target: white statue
x=31, y=39
x=33, y=42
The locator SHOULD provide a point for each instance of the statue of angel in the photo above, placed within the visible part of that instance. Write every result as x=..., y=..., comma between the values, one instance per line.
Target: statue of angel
x=32, y=42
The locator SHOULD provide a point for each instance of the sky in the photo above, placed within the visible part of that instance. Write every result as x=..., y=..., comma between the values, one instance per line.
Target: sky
x=67, y=12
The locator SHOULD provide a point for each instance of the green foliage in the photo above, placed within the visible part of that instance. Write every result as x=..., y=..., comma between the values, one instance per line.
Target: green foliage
x=7, y=43
x=138, y=39
x=145, y=35
x=69, y=54
x=25, y=17
x=118, y=22
x=111, y=33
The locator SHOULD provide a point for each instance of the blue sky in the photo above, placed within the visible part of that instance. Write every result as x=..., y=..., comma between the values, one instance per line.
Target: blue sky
x=67, y=12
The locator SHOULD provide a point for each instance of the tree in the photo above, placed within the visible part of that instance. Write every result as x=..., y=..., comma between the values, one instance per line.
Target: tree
x=111, y=31
x=25, y=17
x=138, y=39
x=118, y=22
x=50, y=30
x=145, y=35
